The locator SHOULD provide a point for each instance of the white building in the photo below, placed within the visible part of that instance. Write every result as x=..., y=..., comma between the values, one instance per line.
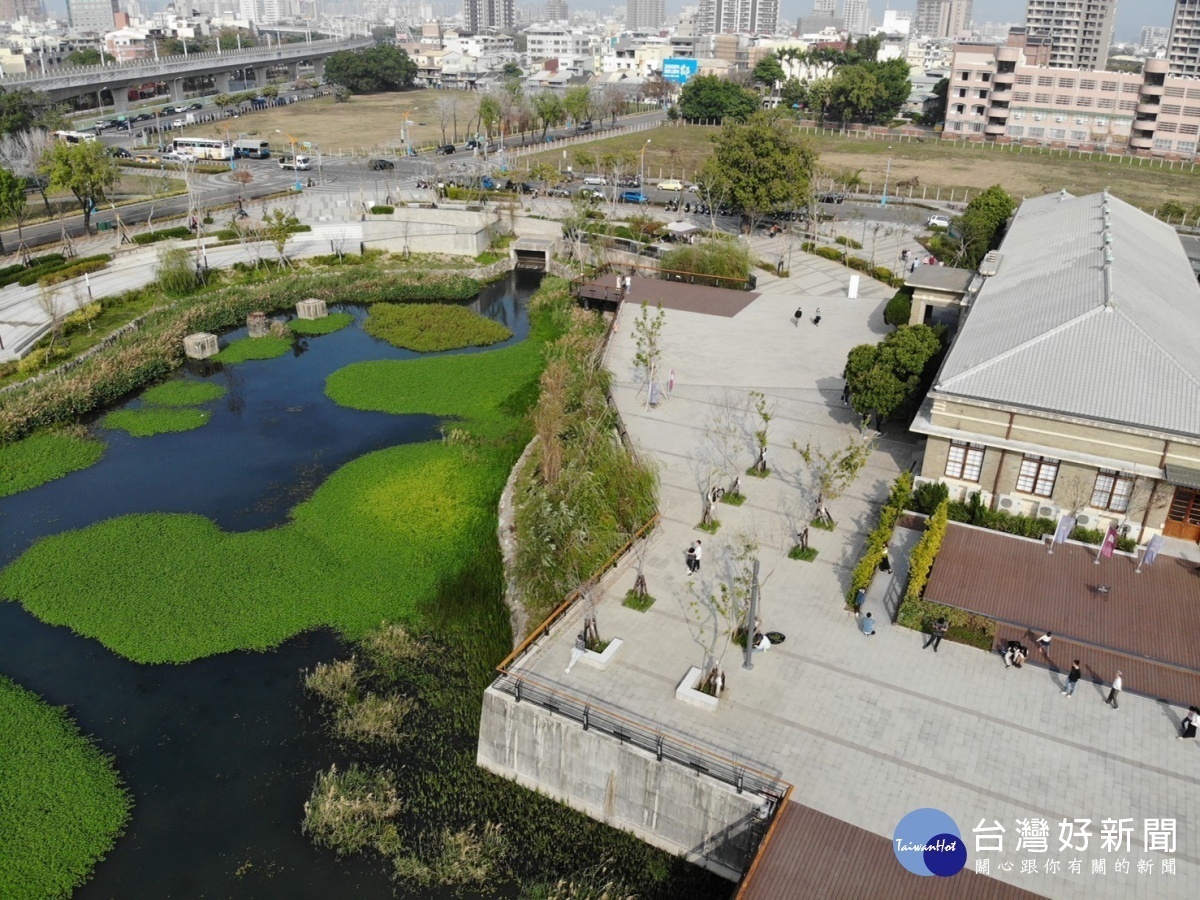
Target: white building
x=555, y=41
x=897, y=21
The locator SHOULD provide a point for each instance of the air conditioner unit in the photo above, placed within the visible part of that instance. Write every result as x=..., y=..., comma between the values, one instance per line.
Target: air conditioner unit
x=1081, y=121
x=1058, y=118
x=1037, y=117
x=1048, y=511
x=1009, y=503
x=1083, y=520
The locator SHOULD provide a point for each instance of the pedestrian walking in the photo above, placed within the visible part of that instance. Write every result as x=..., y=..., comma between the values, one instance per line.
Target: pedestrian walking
x=885, y=564
x=1188, y=727
x=1115, y=691
x=817, y=317
x=868, y=626
x=940, y=627
x=846, y=394
x=1072, y=680
x=860, y=597
x=691, y=559
x=797, y=317
x=1043, y=643
x=577, y=651
x=696, y=558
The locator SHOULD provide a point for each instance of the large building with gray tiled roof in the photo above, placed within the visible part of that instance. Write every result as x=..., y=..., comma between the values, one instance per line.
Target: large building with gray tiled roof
x=1073, y=383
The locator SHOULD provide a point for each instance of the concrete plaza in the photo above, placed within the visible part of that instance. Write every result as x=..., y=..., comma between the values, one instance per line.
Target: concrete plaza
x=867, y=729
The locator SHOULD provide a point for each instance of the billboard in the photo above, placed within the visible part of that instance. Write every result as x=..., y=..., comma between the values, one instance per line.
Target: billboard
x=678, y=70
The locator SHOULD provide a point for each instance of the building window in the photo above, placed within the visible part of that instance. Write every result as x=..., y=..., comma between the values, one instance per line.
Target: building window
x=1037, y=476
x=1112, y=491
x=964, y=462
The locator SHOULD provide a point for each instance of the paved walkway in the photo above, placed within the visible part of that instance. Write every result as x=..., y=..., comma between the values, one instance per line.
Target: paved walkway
x=867, y=729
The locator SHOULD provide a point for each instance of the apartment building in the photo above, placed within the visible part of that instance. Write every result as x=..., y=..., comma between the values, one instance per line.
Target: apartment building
x=856, y=16
x=1081, y=30
x=555, y=41
x=483, y=14
x=942, y=18
x=1183, y=43
x=641, y=14
x=739, y=16
x=996, y=95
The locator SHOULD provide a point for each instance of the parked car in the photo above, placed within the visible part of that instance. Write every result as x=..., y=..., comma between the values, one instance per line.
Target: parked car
x=380, y=165
x=196, y=106
x=937, y=221
x=147, y=158
x=590, y=194
x=446, y=149
x=143, y=117
x=178, y=157
x=489, y=184
x=585, y=125
x=528, y=187
x=633, y=197
x=178, y=123
x=119, y=153
x=831, y=197
x=472, y=144
x=558, y=192
x=594, y=179
x=670, y=185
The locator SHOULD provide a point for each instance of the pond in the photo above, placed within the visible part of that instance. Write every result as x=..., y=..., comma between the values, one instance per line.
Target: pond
x=219, y=754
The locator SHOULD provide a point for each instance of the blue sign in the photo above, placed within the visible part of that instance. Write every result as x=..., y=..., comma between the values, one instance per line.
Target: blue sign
x=678, y=70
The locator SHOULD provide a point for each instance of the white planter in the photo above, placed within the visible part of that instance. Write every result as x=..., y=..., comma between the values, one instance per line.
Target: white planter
x=688, y=694
x=601, y=660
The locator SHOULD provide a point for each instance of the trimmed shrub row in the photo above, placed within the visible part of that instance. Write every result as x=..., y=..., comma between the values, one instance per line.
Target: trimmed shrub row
x=877, y=540
x=164, y=234
x=87, y=264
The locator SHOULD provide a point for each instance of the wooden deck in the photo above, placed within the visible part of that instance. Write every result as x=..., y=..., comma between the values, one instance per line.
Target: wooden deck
x=1145, y=625
x=695, y=298
x=809, y=854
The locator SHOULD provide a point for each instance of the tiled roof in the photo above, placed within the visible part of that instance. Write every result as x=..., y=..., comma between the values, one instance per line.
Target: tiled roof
x=1054, y=331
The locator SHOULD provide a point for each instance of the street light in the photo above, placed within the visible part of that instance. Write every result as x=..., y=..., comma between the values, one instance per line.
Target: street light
x=886, y=176
x=642, y=179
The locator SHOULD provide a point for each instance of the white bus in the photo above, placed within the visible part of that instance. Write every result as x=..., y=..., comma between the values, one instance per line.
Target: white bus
x=251, y=149
x=203, y=148
x=74, y=137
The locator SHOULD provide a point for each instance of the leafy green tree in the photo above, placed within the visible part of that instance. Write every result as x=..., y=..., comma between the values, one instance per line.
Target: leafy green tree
x=511, y=70
x=377, y=68
x=981, y=226
x=768, y=72
x=761, y=167
x=794, y=94
x=84, y=169
x=271, y=91
x=231, y=39
x=12, y=202
x=381, y=34
x=489, y=114
x=937, y=109
x=22, y=110
x=890, y=377
x=711, y=97
x=869, y=92
x=88, y=56
x=577, y=102
x=548, y=109
x=867, y=48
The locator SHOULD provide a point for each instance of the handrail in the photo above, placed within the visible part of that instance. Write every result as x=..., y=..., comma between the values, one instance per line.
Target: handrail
x=558, y=611
x=776, y=815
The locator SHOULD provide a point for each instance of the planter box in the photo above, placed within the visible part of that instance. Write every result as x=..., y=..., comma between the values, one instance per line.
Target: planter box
x=688, y=694
x=601, y=660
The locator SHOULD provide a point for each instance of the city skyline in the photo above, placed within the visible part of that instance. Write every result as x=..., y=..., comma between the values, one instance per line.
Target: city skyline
x=1130, y=16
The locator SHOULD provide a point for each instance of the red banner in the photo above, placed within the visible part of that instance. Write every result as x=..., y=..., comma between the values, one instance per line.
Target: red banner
x=1110, y=542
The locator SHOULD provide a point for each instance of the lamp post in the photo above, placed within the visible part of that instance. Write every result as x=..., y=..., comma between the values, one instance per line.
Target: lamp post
x=887, y=175
x=642, y=177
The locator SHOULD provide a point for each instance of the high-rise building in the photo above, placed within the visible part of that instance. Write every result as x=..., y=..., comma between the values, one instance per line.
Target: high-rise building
x=484, y=14
x=1183, y=45
x=641, y=14
x=856, y=16
x=739, y=16
x=1153, y=37
x=556, y=10
x=941, y=18
x=11, y=10
x=91, y=15
x=824, y=8
x=1081, y=30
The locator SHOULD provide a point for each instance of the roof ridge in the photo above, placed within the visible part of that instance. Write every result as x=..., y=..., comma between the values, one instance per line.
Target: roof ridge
x=1012, y=351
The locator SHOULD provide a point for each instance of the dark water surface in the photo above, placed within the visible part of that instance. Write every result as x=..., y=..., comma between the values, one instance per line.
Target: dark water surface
x=219, y=754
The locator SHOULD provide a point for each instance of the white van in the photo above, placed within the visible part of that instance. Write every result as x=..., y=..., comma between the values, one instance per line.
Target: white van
x=299, y=163
x=595, y=179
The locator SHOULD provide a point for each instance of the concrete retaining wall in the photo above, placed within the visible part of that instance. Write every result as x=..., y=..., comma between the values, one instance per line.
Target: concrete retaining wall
x=663, y=803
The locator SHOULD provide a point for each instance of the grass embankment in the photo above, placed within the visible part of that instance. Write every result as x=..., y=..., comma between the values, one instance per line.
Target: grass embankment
x=430, y=327
x=62, y=805
x=326, y=325
x=44, y=457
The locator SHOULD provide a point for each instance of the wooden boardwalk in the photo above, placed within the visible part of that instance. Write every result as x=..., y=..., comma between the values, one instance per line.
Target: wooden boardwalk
x=1144, y=624
x=809, y=854
x=695, y=298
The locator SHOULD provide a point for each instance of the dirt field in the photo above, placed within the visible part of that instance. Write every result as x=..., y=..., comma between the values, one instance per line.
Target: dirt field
x=364, y=124
x=939, y=167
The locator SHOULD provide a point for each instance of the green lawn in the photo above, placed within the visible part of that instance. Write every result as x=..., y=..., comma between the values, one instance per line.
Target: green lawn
x=183, y=393
x=249, y=348
x=151, y=421
x=327, y=325
x=62, y=805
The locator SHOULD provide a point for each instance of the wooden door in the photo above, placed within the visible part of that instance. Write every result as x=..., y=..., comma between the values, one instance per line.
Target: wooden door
x=1183, y=518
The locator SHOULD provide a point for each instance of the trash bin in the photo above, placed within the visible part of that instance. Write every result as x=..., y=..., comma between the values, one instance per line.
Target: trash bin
x=103, y=226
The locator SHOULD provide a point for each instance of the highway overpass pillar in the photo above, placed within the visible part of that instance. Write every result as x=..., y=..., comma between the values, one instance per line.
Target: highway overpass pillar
x=293, y=71
x=260, y=77
x=319, y=69
x=177, y=90
x=221, y=82
x=120, y=97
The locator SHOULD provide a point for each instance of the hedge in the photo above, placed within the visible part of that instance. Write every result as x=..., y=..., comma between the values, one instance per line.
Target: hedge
x=831, y=253
x=877, y=540
x=899, y=309
x=36, y=273
x=91, y=264
x=847, y=242
x=165, y=234
x=858, y=263
x=10, y=274
x=383, y=210
x=920, y=561
x=965, y=628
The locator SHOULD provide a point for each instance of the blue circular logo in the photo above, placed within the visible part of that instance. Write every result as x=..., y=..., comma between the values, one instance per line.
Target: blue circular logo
x=928, y=842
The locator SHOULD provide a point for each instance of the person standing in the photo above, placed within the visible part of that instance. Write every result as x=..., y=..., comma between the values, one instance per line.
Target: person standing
x=1188, y=727
x=940, y=627
x=696, y=559
x=691, y=559
x=885, y=564
x=1115, y=691
x=1044, y=643
x=1072, y=680
x=868, y=626
x=799, y=314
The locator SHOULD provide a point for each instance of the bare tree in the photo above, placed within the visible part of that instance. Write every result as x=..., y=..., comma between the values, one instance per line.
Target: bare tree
x=22, y=153
x=446, y=110
x=50, y=301
x=719, y=614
